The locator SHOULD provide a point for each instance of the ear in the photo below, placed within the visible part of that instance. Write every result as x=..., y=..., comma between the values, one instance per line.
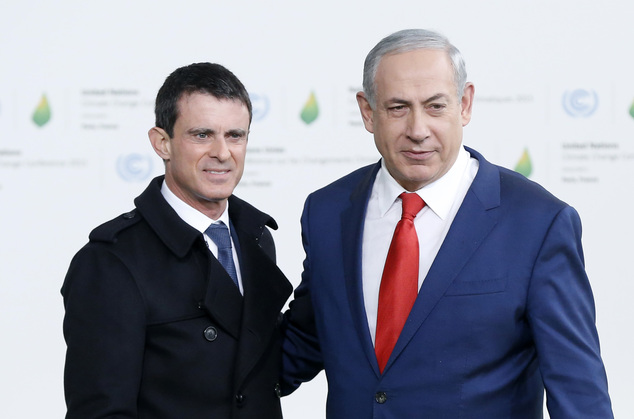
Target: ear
x=366, y=112
x=160, y=142
x=467, y=103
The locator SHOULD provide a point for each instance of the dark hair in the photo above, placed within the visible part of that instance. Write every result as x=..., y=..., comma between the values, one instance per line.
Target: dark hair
x=207, y=78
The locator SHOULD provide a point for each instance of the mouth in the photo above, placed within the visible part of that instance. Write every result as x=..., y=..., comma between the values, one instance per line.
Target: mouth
x=417, y=154
x=216, y=172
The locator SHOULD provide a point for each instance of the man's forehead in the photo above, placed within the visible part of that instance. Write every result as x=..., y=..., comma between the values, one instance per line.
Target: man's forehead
x=427, y=69
x=413, y=58
x=188, y=96
x=194, y=101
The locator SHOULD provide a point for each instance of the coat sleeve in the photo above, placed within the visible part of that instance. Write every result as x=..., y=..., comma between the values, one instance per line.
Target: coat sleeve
x=302, y=359
x=562, y=317
x=104, y=329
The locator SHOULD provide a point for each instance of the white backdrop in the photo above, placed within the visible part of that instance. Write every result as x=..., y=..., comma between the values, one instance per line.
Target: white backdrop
x=554, y=97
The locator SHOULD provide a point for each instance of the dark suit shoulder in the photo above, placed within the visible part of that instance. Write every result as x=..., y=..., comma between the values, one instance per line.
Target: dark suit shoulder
x=353, y=178
x=516, y=187
x=108, y=231
x=356, y=182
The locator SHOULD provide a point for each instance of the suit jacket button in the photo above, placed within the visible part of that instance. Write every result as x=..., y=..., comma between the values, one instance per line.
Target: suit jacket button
x=380, y=397
x=240, y=399
x=210, y=333
x=278, y=390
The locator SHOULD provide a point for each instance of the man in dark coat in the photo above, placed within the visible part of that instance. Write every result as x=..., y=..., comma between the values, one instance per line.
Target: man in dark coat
x=168, y=314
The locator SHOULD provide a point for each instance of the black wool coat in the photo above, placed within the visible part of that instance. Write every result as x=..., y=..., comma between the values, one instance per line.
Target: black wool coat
x=155, y=328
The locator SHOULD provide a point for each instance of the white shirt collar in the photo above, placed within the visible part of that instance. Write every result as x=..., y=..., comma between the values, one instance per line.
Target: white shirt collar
x=438, y=195
x=190, y=215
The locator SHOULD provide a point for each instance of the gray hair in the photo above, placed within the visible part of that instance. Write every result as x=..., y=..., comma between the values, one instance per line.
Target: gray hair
x=409, y=40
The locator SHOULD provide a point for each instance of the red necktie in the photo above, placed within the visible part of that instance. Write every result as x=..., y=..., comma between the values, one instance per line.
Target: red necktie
x=399, y=283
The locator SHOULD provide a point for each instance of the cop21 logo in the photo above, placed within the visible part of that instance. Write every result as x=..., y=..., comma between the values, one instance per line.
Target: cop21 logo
x=580, y=103
x=134, y=167
x=260, y=106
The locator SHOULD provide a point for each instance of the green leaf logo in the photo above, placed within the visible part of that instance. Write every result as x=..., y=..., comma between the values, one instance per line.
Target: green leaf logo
x=524, y=166
x=42, y=113
x=311, y=109
x=632, y=110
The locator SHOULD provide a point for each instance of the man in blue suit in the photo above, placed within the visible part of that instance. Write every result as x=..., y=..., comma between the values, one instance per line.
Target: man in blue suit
x=470, y=307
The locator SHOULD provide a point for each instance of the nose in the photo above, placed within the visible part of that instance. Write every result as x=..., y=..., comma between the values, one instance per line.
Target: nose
x=218, y=149
x=417, y=125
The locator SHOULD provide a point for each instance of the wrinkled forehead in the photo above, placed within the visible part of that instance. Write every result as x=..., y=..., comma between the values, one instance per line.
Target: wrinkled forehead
x=415, y=67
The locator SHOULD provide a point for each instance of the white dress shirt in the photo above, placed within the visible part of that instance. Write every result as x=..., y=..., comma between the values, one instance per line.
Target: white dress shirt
x=201, y=222
x=442, y=201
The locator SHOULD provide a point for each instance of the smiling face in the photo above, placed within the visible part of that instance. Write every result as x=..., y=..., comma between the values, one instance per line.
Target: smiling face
x=417, y=120
x=204, y=160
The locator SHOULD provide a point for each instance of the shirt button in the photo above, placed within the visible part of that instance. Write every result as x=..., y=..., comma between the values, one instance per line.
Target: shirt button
x=380, y=397
x=210, y=333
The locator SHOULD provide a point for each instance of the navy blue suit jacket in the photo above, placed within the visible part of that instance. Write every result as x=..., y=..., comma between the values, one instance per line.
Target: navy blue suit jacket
x=505, y=311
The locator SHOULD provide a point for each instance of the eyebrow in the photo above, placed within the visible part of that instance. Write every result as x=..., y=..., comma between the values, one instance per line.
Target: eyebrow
x=209, y=131
x=436, y=97
x=425, y=102
x=196, y=131
x=237, y=131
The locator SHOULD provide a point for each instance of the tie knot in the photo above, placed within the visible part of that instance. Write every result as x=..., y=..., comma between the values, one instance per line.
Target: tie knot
x=219, y=234
x=412, y=204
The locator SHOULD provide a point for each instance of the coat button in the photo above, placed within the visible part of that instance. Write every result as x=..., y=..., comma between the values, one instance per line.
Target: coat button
x=240, y=399
x=210, y=333
x=380, y=397
x=129, y=215
x=278, y=390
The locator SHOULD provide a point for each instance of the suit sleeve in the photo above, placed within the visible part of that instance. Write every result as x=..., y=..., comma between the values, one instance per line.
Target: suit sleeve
x=562, y=317
x=301, y=360
x=104, y=329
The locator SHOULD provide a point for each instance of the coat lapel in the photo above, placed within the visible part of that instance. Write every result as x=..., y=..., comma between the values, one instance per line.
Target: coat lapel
x=223, y=300
x=352, y=221
x=266, y=289
x=473, y=222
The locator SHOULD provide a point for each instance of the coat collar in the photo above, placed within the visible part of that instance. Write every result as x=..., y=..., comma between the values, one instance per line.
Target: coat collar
x=179, y=236
x=175, y=233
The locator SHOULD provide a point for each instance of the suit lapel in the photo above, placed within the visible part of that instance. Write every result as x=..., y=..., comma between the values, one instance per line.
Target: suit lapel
x=473, y=222
x=352, y=221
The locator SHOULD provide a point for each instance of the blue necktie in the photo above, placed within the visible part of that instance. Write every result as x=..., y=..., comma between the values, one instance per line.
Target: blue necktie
x=219, y=233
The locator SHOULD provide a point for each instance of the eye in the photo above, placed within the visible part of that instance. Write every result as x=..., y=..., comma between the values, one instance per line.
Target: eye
x=236, y=136
x=436, y=106
x=397, y=110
